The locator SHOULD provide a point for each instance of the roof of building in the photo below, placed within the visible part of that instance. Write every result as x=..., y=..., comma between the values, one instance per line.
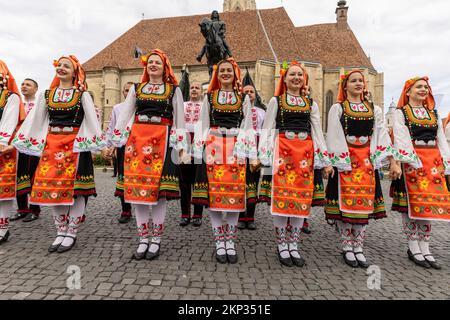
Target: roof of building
x=180, y=37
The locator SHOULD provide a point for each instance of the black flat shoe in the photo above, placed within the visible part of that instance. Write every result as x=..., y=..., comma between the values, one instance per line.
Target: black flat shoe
x=432, y=264
x=221, y=258
x=242, y=225
x=232, y=258
x=124, y=218
x=18, y=216
x=54, y=248
x=140, y=255
x=285, y=261
x=351, y=263
x=153, y=255
x=62, y=248
x=197, y=222
x=423, y=263
x=362, y=264
x=251, y=225
x=31, y=217
x=5, y=237
x=306, y=231
x=298, y=262
x=184, y=222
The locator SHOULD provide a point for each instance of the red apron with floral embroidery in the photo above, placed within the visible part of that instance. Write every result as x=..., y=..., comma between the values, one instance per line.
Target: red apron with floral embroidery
x=428, y=196
x=145, y=153
x=8, y=170
x=357, y=187
x=55, y=175
x=293, y=178
x=226, y=177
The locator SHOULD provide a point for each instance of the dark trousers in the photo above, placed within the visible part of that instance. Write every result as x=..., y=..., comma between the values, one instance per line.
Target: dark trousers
x=115, y=165
x=249, y=215
x=126, y=207
x=22, y=199
x=187, y=177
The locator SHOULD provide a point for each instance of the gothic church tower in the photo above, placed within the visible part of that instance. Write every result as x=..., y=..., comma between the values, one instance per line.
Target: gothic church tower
x=238, y=5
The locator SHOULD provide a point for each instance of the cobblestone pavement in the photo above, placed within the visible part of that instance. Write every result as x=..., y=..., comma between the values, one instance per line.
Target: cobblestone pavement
x=187, y=268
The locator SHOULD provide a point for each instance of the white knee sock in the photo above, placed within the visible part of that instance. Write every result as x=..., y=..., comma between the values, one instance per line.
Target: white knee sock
x=297, y=224
x=75, y=215
x=218, y=231
x=5, y=212
x=158, y=217
x=280, y=224
x=142, y=213
x=60, y=219
x=345, y=231
x=232, y=220
x=359, y=235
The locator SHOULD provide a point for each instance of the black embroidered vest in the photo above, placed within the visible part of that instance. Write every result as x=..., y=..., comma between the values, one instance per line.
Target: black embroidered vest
x=4, y=95
x=358, y=119
x=65, y=114
x=295, y=118
x=425, y=129
x=225, y=115
x=152, y=104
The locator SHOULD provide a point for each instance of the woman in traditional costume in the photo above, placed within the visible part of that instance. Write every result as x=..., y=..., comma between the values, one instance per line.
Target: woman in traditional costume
x=221, y=133
x=421, y=195
x=293, y=145
x=359, y=145
x=152, y=128
x=63, y=129
x=12, y=113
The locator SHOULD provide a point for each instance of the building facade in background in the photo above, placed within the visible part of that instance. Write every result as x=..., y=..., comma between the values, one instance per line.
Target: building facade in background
x=259, y=39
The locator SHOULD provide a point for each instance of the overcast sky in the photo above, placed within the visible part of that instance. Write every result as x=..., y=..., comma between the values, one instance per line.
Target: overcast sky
x=404, y=38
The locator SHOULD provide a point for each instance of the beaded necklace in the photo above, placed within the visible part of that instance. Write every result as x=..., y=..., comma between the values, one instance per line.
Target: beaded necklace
x=4, y=95
x=429, y=122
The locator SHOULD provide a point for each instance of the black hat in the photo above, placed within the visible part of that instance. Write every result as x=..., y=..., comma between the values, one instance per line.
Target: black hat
x=248, y=81
x=184, y=84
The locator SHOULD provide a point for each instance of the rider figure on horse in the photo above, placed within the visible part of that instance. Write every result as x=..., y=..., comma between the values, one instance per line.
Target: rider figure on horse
x=216, y=47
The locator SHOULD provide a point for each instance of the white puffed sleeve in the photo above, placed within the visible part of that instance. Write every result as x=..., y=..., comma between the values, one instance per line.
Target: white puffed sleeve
x=381, y=145
x=125, y=121
x=336, y=140
x=245, y=146
x=32, y=135
x=90, y=136
x=201, y=130
x=403, y=142
x=10, y=119
x=178, y=134
x=268, y=134
x=443, y=147
x=321, y=158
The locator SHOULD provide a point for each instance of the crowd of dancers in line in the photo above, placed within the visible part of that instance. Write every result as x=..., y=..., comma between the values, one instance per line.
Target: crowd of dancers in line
x=225, y=152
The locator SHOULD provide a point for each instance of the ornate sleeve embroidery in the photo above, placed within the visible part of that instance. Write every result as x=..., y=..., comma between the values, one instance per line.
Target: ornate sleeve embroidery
x=342, y=161
x=321, y=159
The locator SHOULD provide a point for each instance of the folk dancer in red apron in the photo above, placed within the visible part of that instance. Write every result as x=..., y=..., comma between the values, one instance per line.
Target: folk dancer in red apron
x=12, y=113
x=152, y=128
x=422, y=194
x=63, y=129
x=359, y=146
x=220, y=140
x=293, y=145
